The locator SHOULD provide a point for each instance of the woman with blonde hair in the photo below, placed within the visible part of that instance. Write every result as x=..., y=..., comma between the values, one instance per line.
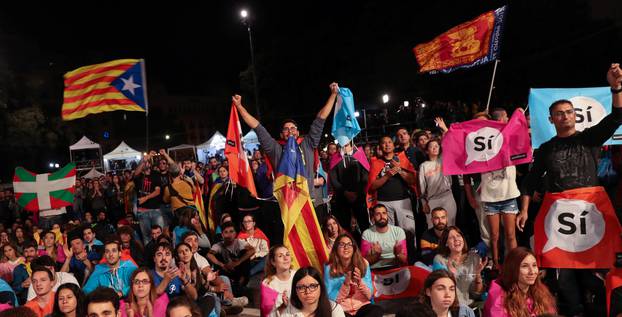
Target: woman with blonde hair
x=277, y=284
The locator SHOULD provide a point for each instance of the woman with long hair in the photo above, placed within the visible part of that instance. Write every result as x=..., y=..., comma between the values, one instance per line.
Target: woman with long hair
x=519, y=292
x=439, y=294
x=436, y=187
x=348, y=279
x=309, y=297
x=142, y=299
x=331, y=230
x=69, y=301
x=277, y=285
x=19, y=238
x=182, y=306
x=10, y=260
x=52, y=249
x=189, y=272
x=114, y=198
x=454, y=256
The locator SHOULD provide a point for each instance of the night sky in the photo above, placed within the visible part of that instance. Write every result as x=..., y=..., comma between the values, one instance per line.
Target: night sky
x=301, y=47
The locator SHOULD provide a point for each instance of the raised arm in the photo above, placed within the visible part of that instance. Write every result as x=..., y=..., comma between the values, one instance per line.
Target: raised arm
x=325, y=111
x=247, y=117
x=614, y=77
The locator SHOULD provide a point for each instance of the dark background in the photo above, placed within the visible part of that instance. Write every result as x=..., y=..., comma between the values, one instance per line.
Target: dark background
x=201, y=50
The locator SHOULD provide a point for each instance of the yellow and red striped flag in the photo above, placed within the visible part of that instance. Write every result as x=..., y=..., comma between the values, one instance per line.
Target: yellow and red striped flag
x=110, y=86
x=303, y=236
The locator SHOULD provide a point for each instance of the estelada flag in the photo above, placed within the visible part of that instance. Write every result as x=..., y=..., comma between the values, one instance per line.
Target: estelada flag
x=469, y=44
x=577, y=229
x=36, y=192
x=478, y=146
x=239, y=169
x=302, y=235
x=403, y=282
x=211, y=220
x=110, y=86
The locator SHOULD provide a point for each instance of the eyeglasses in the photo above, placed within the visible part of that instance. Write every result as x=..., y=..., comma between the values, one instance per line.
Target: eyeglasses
x=142, y=282
x=561, y=113
x=345, y=245
x=290, y=129
x=307, y=288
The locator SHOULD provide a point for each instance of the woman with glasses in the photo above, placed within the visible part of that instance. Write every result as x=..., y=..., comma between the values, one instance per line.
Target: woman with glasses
x=454, y=256
x=255, y=237
x=309, y=297
x=348, y=279
x=142, y=299
x=277, y=284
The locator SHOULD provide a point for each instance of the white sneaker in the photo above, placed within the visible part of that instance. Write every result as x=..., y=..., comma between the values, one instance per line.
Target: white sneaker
x=239, y=301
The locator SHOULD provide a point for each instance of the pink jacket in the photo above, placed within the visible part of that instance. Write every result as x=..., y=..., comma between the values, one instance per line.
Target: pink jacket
x=159, y=307
x=494, y=303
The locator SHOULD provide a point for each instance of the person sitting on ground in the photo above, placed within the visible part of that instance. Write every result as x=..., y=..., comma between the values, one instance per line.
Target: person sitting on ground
x=430, y=238
x=131, y=249
x=22, y=272
x=309, y=297
x=188, y=220
x=113, y=272
x=103, y=302
x=383, y=244
x=277, y=285
x=519, y=291
x=183, y=307
x=454, y=256
x=331, y=230
x=166, y=274
x=232, y=256
x=439, y=294
x=60, y=278
x=150, y=248
x=43, y=281
x=143, y=299
x=10, y=260
x=81, y=263
x=52, y=249
x=69, y=301
x=258, y=240
x=348, y=279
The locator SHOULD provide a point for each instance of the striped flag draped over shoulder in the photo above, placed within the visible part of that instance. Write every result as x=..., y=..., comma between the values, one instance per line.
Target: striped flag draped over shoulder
x=303, y=236
x=36, y=192
x=110, y=86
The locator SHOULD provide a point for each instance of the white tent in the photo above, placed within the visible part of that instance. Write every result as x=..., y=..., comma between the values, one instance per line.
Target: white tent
x=86, y=154
x=93, y=173
x=211, y=147
x=183, y=151
x=251, y=142
x=121, y=157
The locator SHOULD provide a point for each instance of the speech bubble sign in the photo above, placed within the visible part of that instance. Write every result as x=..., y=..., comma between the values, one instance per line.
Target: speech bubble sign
x=392, y=283
x=588, y=112
x=573, y=225
x=483, y=144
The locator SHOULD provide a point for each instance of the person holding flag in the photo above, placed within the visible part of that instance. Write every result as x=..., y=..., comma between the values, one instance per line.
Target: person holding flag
x=568, y=162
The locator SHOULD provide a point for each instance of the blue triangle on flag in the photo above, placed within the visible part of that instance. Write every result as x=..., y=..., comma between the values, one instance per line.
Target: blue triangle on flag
x=132, y=85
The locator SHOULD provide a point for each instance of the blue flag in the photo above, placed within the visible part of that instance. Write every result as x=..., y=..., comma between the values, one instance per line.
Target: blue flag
x=345, y=125
x=591, y=106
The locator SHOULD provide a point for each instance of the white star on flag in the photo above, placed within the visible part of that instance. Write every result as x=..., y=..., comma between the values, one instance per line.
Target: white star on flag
x=128, y=84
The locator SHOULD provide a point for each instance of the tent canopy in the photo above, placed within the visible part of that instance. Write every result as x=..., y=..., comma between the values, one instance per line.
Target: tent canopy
x=123, y=151
x=93, y=173
x=251, y=142
x=84, y=143
x=217, y=141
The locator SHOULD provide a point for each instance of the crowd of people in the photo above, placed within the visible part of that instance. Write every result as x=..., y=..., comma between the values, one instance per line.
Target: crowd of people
x=135, y=243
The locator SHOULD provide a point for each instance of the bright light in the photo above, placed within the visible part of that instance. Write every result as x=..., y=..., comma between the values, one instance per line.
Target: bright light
x=385, y=98
x=356, y=114
x=137, y=157
x=423, y=105
x=325, y=135
x=406, y=103
x=145, y=153
x=51, y=165
x=56, y=165
x=167, y=136
x=244, y=14
x=336, y=142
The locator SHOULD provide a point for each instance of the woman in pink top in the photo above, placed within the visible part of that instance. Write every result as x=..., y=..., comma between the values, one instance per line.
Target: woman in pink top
x=51, y=248
x=142, y=299
x=519, y=292
x=10, y=260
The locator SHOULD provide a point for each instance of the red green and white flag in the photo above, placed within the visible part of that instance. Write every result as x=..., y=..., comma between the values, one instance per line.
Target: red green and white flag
x=36, y=192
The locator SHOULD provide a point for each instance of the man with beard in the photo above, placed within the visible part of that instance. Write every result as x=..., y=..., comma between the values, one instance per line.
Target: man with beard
x=384, y=245
x=165, y=275
x=113, y=273
x=21, y=273
x=430, y=238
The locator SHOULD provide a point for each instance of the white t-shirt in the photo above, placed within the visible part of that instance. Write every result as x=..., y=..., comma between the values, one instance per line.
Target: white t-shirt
x=280, y=287
x=499, y=185
x=201, y=261
x=61, y=278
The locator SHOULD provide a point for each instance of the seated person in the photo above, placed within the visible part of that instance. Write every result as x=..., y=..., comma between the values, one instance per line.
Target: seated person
x=43, y=281
x=429, y=239
x=90, y=241
x=232, y=256
x=81, y=263
x=103, y=302
x=384, y=245
x=60, y=278
x=131, y=249
x=113, y=272
x=21, y=273
x=255, y=237
x=454, y=256
x=166, y=274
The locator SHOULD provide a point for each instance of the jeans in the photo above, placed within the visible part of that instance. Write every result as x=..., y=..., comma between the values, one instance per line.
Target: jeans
x=258, y=265
x=148, y=218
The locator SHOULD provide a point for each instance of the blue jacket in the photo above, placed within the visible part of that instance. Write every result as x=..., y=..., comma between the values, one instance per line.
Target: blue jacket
x=20, y=274
x=104, y=276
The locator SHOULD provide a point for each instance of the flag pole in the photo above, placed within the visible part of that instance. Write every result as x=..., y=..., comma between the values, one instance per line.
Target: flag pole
x=492, y=83
x=144, y=76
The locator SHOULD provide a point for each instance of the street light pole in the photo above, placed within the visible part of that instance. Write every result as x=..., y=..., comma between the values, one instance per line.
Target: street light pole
x=246, y=22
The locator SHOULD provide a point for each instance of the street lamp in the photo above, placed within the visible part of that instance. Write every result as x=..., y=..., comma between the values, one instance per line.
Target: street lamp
x=246, y=22
x=385, y=98
x=167, y=137
x=406, y=103
x=356, y=114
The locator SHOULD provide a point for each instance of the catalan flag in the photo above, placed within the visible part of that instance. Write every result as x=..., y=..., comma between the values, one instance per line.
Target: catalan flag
x=471, y=43
x=302, y=231
x=110, y=86
x=209, y=220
